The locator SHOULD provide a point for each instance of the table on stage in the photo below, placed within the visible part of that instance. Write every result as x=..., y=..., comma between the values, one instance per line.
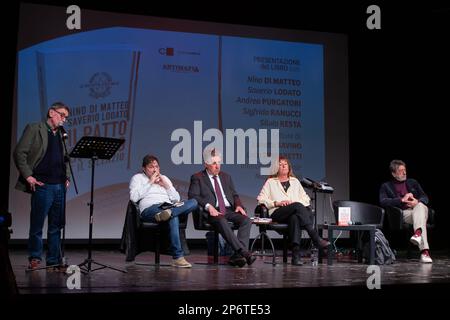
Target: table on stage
x=362, y=227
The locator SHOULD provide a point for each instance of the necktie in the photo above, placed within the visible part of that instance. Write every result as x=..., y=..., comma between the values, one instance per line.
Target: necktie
x=222, y=208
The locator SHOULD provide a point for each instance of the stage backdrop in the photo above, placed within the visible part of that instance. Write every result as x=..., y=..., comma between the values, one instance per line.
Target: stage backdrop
x=162, y=85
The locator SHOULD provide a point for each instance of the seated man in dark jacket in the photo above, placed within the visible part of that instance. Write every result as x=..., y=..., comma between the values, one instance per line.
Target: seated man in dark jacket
x=214, y=191
x=407, y=194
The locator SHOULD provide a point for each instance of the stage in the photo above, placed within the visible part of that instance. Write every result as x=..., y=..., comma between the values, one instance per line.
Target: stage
x=261, y=283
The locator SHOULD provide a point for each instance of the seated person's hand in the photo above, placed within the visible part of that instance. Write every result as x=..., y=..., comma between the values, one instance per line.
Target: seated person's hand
x=409, y=200
x=411, y=203
x=240, y=210
x=162, y=181
x=408, y=197
x=282, y=203
x=213, y=211
x=155, y=177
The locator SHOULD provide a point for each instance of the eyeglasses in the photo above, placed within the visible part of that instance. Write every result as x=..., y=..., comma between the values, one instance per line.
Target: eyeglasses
x=61, y=114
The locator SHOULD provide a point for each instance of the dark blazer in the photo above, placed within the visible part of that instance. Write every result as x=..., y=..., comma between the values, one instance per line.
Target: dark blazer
x=30, y=150
x=202, y=190
x=388, y=196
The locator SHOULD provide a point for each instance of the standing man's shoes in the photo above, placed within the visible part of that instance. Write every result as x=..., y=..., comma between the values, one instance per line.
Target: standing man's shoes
x=57, y=268
x=34, y=264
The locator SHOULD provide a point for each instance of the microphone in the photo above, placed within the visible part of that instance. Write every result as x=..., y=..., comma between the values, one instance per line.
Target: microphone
x=63, y=132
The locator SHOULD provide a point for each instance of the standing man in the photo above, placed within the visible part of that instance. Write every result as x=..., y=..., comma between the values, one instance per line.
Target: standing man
x=40, y=158
x=215, y=193
x=408, y=195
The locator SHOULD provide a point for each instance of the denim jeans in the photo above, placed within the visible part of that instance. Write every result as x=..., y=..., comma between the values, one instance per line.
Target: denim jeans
x=47, y=200
x=148, y=215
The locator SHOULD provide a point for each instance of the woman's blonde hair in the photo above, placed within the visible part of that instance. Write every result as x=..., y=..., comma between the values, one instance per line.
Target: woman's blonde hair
x=290, y=173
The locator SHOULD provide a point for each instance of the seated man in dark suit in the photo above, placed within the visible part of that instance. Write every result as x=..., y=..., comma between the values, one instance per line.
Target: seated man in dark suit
x=215, y=193
x=407, y=194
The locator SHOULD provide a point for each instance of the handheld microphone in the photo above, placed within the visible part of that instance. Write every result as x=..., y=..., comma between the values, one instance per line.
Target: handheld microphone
x=63, y=132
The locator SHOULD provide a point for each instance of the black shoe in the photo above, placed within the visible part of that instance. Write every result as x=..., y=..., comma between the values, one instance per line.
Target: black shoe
x=296, y=256
x=58, y=268
x=323, y=244
x=250, y=259
x=296, y=260
x=237, y=261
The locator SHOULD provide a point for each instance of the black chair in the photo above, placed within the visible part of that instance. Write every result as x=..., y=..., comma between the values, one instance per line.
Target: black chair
x=139, y=236
x=396, y=224
x=281, y=228
x=361, y=214
x=200, y=218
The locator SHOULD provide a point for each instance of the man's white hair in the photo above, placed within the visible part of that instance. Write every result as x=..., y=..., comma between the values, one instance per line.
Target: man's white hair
x=209, y=153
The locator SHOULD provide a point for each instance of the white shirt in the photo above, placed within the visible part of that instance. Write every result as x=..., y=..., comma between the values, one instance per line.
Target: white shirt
x=146, y=194
x=211, y=178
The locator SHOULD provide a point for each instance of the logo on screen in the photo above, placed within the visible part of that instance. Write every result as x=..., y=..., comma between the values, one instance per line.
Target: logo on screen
x=166, y=51
x=100, y=85
x=178, y=68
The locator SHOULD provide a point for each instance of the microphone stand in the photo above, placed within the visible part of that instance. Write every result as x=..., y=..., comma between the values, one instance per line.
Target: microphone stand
x=64, y=136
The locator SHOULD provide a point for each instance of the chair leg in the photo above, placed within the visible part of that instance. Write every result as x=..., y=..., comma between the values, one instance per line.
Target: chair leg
x=409, y=251
x=216, y=247
x=359, y=249
x=285, y=249
x=184, y=242
x=215, y=252
x=262, y=243
x=157, y=252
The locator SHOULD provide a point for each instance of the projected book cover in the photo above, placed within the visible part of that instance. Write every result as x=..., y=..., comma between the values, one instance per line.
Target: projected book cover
x=100, y=83
x=145, y=85
x=274, y=85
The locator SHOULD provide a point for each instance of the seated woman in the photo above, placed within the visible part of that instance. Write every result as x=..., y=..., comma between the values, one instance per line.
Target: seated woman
x=149, y=189
x=287, y=202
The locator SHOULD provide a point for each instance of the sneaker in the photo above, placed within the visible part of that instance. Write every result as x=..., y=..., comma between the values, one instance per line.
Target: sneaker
x=416, y=240
x=34, y=264
x=181, y=263
x=425, y=258
x=163, y=215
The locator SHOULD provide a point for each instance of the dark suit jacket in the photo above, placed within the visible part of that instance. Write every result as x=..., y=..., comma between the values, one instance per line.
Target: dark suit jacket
x=388, y=196
x=202, y=190
x=29, y=152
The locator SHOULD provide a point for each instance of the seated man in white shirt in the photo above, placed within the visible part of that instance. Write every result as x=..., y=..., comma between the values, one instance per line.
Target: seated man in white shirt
x=149, y=189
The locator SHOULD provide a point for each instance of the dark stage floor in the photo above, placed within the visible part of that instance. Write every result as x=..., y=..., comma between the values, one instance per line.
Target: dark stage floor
x=261, y=291
x=207, y=280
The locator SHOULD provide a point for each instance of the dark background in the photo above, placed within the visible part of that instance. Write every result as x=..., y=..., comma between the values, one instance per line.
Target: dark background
x=398, y=82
